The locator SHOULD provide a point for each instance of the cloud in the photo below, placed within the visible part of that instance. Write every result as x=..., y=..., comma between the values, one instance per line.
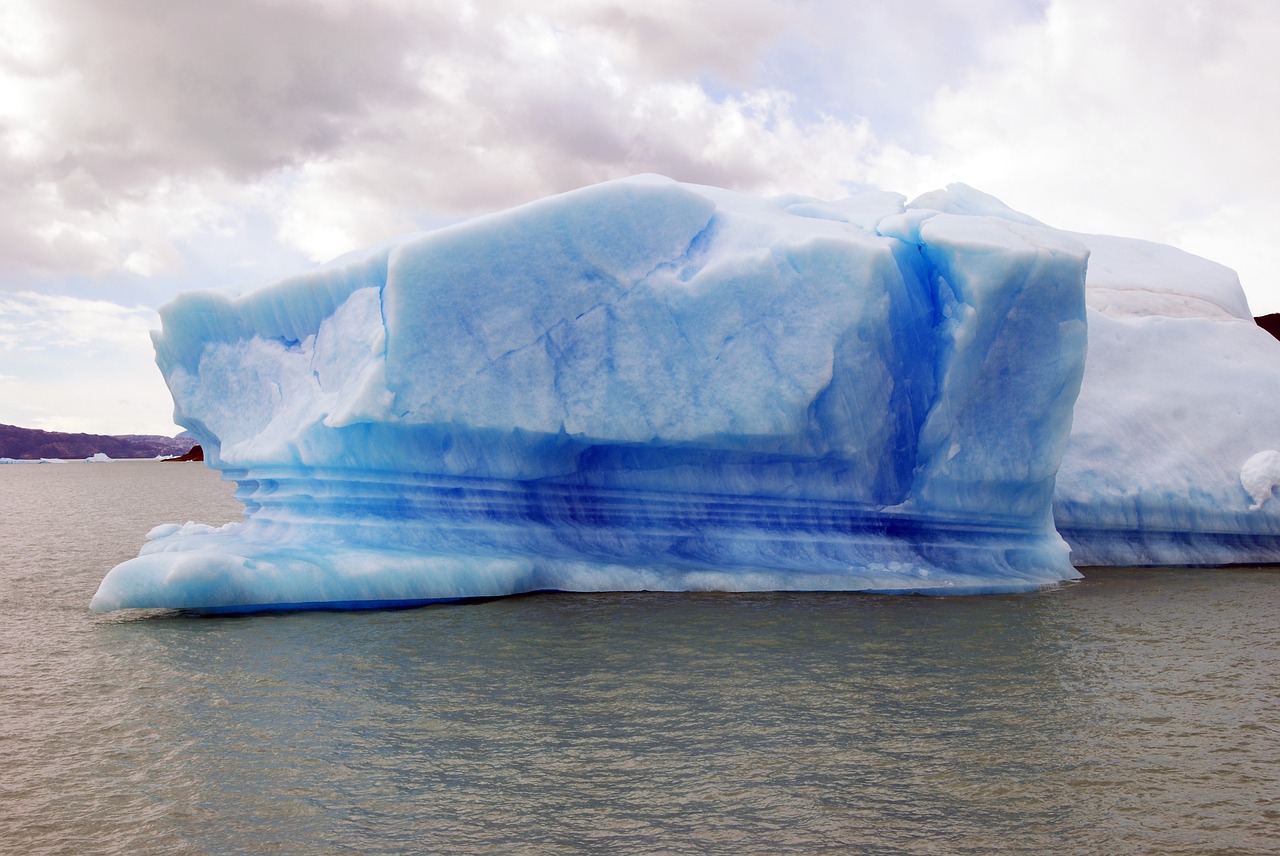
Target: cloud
x=126, y=125
x=31, y=321
x=527, y=104
x=146, y=147
x=127, y=128
x=69, y=364
x=1148, y=118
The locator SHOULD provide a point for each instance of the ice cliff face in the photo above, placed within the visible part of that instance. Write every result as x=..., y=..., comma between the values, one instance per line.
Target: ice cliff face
x=645, y=384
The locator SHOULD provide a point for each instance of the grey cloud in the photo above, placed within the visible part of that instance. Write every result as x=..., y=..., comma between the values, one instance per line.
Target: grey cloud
x=238, y=86
x=247, y=86
x=722, y=37
x=209, y=96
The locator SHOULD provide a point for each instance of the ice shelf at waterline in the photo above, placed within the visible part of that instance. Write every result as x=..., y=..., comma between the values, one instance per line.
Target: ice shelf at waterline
x=650, y=385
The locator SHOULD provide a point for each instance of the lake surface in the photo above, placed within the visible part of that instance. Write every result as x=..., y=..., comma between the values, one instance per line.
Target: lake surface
x=1135, y=712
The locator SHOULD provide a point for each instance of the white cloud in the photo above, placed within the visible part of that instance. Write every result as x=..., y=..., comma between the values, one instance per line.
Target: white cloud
x=1148, y=118
x=126, y=125
x=33, y=321
x=68, y=364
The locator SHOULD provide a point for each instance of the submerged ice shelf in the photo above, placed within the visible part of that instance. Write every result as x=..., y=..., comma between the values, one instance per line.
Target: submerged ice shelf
x=641, y=385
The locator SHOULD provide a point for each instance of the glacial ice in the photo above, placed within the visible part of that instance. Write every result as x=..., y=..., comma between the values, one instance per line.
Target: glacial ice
x=652, y=385
x=1170, y=460
x=1179, y=397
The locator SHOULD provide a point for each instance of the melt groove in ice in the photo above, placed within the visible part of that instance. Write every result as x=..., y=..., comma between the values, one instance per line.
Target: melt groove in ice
x=638, y=385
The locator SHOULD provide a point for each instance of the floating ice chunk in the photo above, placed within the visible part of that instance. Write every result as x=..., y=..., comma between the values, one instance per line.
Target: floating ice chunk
x=653, y=385
x=1260, y=476
x=641, y=384
x=1169, y=408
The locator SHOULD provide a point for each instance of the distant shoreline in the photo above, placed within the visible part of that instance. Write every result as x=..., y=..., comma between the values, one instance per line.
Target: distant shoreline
x=34, y=444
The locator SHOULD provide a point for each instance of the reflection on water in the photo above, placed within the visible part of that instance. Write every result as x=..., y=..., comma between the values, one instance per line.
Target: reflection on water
x=1133, y=712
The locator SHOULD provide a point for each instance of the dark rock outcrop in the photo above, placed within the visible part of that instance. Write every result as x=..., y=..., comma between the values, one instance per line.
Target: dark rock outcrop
x=1270, y=323
x=196, y=454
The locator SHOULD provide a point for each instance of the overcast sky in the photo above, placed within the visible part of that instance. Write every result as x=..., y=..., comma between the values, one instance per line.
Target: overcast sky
x=149, y=147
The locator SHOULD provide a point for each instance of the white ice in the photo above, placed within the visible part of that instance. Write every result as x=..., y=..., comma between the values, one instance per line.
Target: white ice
x=1260, y=476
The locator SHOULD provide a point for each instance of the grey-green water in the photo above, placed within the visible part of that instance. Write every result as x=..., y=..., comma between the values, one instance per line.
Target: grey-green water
x=1135, y=712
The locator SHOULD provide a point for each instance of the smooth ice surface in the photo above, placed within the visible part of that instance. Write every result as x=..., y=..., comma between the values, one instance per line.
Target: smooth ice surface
x=1179, y=396
x=638, y=385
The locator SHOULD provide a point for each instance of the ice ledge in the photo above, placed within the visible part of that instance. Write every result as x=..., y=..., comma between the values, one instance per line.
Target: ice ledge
x=459, y=538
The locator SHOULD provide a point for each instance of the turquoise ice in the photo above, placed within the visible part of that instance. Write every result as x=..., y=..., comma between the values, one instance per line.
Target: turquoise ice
x=638, y=385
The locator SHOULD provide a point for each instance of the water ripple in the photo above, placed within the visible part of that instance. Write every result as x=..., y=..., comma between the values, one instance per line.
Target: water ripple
x=1137, y=711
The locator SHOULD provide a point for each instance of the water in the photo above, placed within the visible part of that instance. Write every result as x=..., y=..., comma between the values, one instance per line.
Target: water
x=1135, y=712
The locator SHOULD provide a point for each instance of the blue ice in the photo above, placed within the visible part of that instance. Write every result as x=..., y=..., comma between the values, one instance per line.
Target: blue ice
x=638, y=385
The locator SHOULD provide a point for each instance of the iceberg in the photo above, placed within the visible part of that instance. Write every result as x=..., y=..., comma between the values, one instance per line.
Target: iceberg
x=1172, y=455
x=641, y=384
x=653, y=385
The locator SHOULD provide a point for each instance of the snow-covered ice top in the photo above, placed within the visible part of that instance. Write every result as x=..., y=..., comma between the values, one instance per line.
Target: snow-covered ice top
x=644, y=384
x=1171, y=458
x=1180, y=394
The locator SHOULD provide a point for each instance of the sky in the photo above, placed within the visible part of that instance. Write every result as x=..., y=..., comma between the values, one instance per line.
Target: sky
x=148, y=148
